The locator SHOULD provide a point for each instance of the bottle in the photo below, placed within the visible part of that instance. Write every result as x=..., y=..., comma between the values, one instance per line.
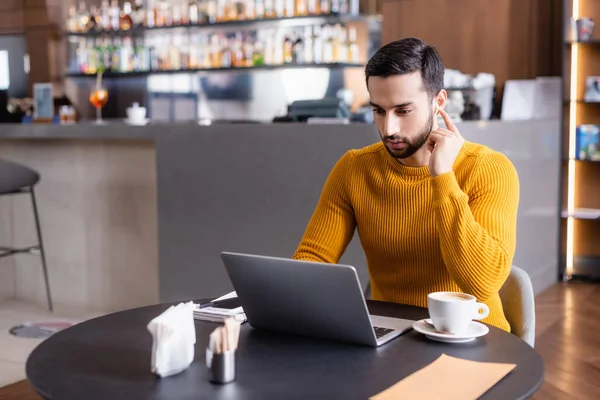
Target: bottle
x=221, y=10
x=185, y=13
x=308, y=56
x=279, y=8
x=258, y=52
x=174, y=54
x=225, y=54
x=269, y=8
x=116, y=55
x=344, y=7
x=160, y=18
x=259, y=9
x=289, y=8
x=126, y=56
x=287, y=50
x=312, y=7
x=105, y=15
x=73, y=20
x=343, y=44
x=335, y=7
x=299, y=51
x=126, y=22
x=212, y=11
x=237, y=56
x=248, y=48
x=150, y=15
x=167, y=13
x=202, y=16
x=114, y=15
x=176, y=17
x=139, y=13
x=83, y=18
x=325, y=7
x=95, y=21
x=250, y=9
x=194, y=13
x=327, y=38
x=301, y=8
x=353, y=56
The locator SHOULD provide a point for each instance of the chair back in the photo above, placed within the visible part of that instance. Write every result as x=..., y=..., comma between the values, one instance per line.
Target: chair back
x=519, y=304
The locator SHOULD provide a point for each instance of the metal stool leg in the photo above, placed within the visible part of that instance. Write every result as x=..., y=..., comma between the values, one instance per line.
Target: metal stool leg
x=42, y=252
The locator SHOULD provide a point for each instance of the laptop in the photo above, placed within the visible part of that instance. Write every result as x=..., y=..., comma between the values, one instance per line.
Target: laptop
x=309, y=299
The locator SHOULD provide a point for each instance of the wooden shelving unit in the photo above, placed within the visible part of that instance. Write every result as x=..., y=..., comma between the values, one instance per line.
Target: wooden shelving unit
x=580, y=179
x=111, y=74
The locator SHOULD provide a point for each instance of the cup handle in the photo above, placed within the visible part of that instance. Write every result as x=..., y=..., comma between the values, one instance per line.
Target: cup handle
x=481, y=311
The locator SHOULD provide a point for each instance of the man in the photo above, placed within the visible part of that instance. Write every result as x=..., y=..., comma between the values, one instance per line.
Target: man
x=433, y=211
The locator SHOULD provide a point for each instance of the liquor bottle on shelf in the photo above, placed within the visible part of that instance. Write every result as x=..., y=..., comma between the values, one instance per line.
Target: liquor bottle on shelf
x=298, y=51
x=279, y=8
x=353, y=54
x=270, y=9
x=250, y=9
x=150, y=14
x=312, y=7
x=212, y=11
x=138, y=14
x=176, y=17
x=221, y=10
x=115, y=14
x=334, y=6
x=194, y=12
x=290, y=5
x=308, y=49
x=83, y=18
x=73, y=20
x=116, y=55
x=327, y=38
x=317, y=45
x=324, y=7
x=287, y=50
x=259, y=9
x=125, y=20
x=95, y=20
x=184, y=7
x=301, y=7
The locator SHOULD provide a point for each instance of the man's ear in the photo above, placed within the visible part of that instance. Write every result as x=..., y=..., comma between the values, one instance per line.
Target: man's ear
x=440, y=101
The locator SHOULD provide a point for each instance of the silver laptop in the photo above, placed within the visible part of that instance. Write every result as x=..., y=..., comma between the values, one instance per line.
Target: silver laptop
x=307, y=298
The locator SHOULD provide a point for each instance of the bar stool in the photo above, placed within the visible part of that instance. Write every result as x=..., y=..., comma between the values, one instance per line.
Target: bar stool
x=17, y=179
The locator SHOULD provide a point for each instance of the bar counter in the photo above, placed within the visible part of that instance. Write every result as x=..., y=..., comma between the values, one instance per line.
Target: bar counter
x=133, y=215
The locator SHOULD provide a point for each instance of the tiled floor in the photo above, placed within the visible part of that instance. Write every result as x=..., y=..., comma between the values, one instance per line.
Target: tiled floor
x=13, y=350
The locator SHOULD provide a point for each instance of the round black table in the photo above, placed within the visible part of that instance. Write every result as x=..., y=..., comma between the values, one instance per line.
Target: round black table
x=109, y=358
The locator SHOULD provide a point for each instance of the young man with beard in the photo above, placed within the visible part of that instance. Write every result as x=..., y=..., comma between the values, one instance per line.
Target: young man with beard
x=434, y=212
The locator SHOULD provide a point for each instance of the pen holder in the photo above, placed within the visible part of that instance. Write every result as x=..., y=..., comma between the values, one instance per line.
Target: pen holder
x=221, y=366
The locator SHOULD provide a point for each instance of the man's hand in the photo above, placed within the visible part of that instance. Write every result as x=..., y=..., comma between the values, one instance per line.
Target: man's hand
x=444, y=145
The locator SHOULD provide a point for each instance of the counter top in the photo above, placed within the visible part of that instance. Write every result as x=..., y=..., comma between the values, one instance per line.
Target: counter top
x=120, y=130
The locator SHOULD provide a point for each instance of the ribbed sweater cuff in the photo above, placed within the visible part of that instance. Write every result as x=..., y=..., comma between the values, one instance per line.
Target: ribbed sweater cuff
x=444, y=187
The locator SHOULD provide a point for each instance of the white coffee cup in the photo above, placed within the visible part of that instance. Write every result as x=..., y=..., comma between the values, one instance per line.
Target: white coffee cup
x=135, y=113
x=452, y=312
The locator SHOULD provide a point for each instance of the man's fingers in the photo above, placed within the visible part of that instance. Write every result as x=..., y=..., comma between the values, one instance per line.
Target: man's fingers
x=448, y=121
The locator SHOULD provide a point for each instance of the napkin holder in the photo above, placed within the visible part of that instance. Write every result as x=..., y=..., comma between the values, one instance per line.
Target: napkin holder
x=221, y=366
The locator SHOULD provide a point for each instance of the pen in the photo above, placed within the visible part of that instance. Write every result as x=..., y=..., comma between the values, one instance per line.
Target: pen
x=216, y=303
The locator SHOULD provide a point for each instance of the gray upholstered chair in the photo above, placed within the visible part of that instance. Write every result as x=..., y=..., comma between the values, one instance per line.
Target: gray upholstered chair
x=17, y=179
x=519, y=304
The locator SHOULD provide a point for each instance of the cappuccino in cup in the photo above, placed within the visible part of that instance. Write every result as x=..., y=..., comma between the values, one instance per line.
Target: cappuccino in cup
x=452, y=312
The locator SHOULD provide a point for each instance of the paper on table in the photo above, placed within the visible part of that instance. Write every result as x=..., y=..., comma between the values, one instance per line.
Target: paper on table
x=453, y=378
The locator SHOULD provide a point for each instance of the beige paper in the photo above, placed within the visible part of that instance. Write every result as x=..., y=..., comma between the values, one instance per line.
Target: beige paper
x=448, y=378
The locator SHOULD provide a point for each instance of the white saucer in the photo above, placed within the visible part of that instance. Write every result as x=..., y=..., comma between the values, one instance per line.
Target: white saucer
x=476, y=329
x=140, y=122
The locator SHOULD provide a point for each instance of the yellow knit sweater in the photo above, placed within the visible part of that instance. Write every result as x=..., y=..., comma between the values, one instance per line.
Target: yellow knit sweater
x=454, y=232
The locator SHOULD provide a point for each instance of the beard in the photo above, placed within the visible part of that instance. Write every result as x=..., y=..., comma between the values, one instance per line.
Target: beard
x=411, y=146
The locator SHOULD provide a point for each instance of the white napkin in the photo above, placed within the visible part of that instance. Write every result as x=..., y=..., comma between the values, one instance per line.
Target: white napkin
x=174, y=336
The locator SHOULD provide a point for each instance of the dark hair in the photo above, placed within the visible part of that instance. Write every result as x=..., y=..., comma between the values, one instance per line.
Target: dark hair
x=405, y=56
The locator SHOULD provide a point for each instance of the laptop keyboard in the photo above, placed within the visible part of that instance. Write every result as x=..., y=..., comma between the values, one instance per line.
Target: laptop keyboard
x=380, y=332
